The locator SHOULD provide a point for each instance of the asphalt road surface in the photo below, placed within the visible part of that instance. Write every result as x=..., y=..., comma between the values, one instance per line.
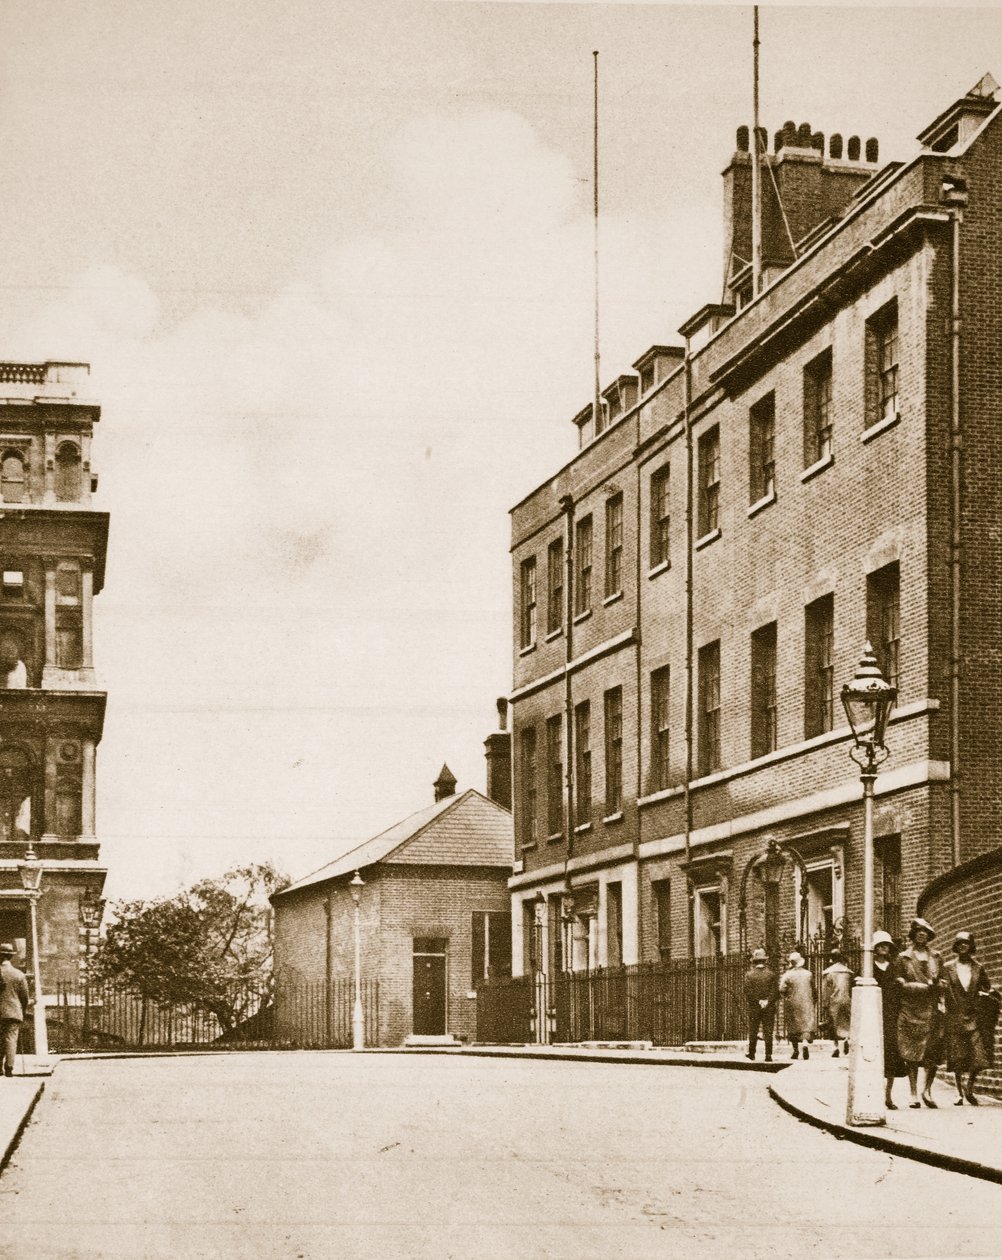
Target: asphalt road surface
x=312, y=1156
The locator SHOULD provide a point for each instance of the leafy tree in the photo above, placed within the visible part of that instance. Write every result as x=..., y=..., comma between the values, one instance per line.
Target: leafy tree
x=208, y=947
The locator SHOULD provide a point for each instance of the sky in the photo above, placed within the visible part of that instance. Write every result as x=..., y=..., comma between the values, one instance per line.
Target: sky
x=331, y=264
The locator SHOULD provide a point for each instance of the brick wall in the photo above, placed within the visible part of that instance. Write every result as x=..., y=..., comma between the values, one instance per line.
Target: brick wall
x=883, y=498
x=968, y=898
x=398, y=903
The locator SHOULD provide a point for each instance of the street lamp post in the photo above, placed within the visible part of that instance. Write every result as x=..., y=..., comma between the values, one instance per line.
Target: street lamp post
x=358, y=1017
x=867, y=700
x=30, y=870
x=91, y=911
x=772, y=873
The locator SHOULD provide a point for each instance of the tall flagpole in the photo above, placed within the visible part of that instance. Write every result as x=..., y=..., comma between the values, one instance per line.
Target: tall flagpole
x=756, y=174
x=598, y=383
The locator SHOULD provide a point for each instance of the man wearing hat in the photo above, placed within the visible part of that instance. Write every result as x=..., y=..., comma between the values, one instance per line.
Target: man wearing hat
x=761, y=995
x=13, y=1004
x=920, y=1028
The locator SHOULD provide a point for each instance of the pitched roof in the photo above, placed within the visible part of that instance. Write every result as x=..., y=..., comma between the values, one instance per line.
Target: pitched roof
x=465, y=830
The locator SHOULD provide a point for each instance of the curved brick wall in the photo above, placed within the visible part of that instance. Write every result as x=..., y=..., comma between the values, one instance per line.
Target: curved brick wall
x=969, y=897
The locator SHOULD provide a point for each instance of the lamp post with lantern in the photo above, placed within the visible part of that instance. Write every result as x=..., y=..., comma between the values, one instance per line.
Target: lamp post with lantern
x=358, y=1017
x=91, y=913
x=867, y=700
x=30, y=870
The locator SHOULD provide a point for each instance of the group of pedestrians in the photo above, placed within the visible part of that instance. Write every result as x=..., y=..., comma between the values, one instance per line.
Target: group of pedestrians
x=932, y=1010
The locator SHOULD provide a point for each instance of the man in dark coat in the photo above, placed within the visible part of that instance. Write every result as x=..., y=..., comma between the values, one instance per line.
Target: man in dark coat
x=761, y=995
x=13, y=1004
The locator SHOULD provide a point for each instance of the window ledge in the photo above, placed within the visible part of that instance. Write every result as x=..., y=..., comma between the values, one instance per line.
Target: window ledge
x=663, y=567
x=524, y=651
x=614, y=598
x=554, y=634
x=528, y=847
x=818, y=466
x=881, y=426
x=705, y=541
x=614, y=817
x=582, y=616
x=764, y=502
x=581, y=828
x=555, y=838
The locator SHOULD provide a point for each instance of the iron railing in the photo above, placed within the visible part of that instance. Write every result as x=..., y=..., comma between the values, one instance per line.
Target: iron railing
x=108, y=1016
x=666, y=1003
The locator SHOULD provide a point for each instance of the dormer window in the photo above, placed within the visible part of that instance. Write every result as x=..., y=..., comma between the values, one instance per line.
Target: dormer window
x=12, y=477
x=68, y=480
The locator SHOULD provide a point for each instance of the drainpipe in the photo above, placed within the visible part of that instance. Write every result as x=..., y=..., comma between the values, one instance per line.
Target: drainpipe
x=955, y=194
x=640, y=723
x=567, y=507
x=689, y=553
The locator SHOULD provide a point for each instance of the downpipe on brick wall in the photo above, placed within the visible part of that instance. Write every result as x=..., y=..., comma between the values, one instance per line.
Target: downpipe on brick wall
x=689, y=543
x=954, y=194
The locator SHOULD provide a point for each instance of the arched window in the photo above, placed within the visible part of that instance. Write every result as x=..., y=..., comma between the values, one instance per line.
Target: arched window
x=68, y=473
x=12, y=477
x=16, y=773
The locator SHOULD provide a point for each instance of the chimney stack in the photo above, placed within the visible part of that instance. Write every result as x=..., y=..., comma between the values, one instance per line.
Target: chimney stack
x=812, y=185
x=498, y=753
x=445, y=784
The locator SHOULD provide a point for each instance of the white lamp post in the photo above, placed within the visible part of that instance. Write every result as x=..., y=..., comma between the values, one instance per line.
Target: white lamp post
x=868, y=700
x=30, y=870
x=357, y=1018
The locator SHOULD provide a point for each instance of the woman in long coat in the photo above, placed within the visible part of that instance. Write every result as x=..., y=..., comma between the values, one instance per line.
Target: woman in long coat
x=971, y=1011
x=797, y=990
x=917, y=972
x=883, y=973
x=836, y=1000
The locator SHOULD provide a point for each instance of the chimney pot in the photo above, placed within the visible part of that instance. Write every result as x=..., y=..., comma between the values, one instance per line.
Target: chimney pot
x=741, y=139
x=789, y=132
x=835, y=145
x=818, y=141
x=777, y=140
x=804, y=136
x=502, y=707
x=852, y=149
x=763, y=140
x=872, y=149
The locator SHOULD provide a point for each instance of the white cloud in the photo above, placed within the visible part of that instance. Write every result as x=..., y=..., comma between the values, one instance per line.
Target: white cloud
x=309, y=504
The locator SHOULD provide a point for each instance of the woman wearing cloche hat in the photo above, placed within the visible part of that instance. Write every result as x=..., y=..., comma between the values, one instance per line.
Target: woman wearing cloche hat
x=971, y=1011
x=920, y=1026
x=883, y=972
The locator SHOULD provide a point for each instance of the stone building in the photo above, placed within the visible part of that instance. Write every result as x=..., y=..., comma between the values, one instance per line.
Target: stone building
x=52, y=559
x=815, y=466
x=434, y=920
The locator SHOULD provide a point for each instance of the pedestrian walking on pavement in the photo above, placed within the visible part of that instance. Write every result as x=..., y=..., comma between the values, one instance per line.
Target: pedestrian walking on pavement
x=797, y=990
x=836, y=1000
x=920, y=1024
x=13, y=1004
x=884, y=974
x=972, y=1009
x=761, y=990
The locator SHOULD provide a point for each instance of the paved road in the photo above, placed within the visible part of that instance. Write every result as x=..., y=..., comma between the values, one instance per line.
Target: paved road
x=333, y=1155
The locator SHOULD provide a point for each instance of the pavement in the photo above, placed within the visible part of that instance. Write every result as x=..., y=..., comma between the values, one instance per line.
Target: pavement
x=965, y=1139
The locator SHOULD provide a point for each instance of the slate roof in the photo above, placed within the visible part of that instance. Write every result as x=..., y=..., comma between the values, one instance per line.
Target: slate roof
x=464, y=830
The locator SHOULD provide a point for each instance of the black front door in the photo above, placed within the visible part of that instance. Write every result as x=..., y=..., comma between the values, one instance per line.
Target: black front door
x=429, y=987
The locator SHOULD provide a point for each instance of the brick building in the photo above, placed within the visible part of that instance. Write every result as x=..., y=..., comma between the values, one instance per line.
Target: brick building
x=434, y=916
x=814, y=467
x=52, y=560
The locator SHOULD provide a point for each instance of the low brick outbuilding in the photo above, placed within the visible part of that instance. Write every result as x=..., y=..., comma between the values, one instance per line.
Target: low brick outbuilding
x=434, y=919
